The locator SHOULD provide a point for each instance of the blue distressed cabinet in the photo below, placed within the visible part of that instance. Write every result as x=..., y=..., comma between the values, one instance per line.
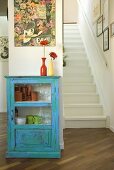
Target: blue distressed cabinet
x=33, y=117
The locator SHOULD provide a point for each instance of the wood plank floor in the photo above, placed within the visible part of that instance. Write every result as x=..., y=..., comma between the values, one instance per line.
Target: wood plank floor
x=85, y=149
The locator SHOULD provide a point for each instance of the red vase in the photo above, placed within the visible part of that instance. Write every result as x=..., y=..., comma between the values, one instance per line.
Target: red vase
x=43, y=69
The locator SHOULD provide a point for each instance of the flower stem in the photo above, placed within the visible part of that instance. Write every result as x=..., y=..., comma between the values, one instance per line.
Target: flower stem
x=44, y=50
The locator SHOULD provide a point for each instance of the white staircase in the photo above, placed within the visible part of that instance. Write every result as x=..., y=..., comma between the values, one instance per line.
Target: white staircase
x=82, y=108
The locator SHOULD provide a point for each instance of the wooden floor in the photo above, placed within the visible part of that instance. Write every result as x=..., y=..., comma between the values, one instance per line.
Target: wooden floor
x=85, y=149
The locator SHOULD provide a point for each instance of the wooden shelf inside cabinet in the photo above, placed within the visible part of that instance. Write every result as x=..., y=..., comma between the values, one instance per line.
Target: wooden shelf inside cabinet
x=33, y=123
x=33, y=103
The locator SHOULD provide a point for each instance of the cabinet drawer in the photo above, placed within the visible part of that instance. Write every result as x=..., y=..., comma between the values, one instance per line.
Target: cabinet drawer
x=33, y=138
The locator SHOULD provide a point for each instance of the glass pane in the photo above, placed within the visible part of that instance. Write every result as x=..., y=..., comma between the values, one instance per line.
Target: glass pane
x=33, y=115
x=33, y=92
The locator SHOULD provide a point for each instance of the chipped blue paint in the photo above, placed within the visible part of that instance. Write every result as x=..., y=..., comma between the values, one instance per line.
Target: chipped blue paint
x=33, y=141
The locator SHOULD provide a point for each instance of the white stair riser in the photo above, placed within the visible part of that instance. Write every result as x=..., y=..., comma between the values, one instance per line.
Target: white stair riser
x=76, y=26
x=77, y=62
x=77, y=55
x=85, y=124
x=82, y=111
x=82, y=74
x=74, y=50
x=83, y=99
x=68, y=32
x=69, y=28
x=85, y=79
x=76, y=69
x=76, y=72
x=79, y=88
x=73, y=41
x=72, y=36
x=74, y=45
x=77, y=66
x=68, y=38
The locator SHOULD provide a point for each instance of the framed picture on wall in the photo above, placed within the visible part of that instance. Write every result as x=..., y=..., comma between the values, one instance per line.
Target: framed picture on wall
x=105, y=14
x=3, y=48
x=106, y=39
x=34, y=21
x=99, y=26
x=96, y=9
x=112, y=29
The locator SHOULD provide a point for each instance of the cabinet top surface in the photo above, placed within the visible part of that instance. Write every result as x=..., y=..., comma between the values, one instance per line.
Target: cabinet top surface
x=41, y=77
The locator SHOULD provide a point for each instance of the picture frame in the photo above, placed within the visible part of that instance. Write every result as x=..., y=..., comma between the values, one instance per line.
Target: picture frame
x=7, y=13
x=36, y=24
x=106, y=39
x=4, y=52
x=105, y=14
x=112, y=29
x=99, y=29
x=96, y=9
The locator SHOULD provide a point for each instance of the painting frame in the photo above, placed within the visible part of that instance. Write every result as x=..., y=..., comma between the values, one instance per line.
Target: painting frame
x=112, y=29
x=34, y=21
x=99, y=26
x=105, y=14
x=96, y=9
x=4, y=52
x=106, y=39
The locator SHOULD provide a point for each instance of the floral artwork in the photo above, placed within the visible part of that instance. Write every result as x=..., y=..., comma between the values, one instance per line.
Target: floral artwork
x=34, y=21
x=3, y=48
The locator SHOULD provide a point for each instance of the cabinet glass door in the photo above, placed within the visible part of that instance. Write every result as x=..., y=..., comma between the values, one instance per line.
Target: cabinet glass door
x=32, y=92
x=33, y=104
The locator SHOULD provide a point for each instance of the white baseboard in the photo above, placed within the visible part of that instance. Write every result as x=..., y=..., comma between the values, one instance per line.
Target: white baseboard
x=62, y=145
x=108, y=122
x=112, y=128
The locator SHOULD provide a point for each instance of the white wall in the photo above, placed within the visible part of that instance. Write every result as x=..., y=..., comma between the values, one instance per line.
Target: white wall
x=104, y=75
x=70, y=11
x=3, y=66
x=27, y=60
x=112, y=62
x=87, y=5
